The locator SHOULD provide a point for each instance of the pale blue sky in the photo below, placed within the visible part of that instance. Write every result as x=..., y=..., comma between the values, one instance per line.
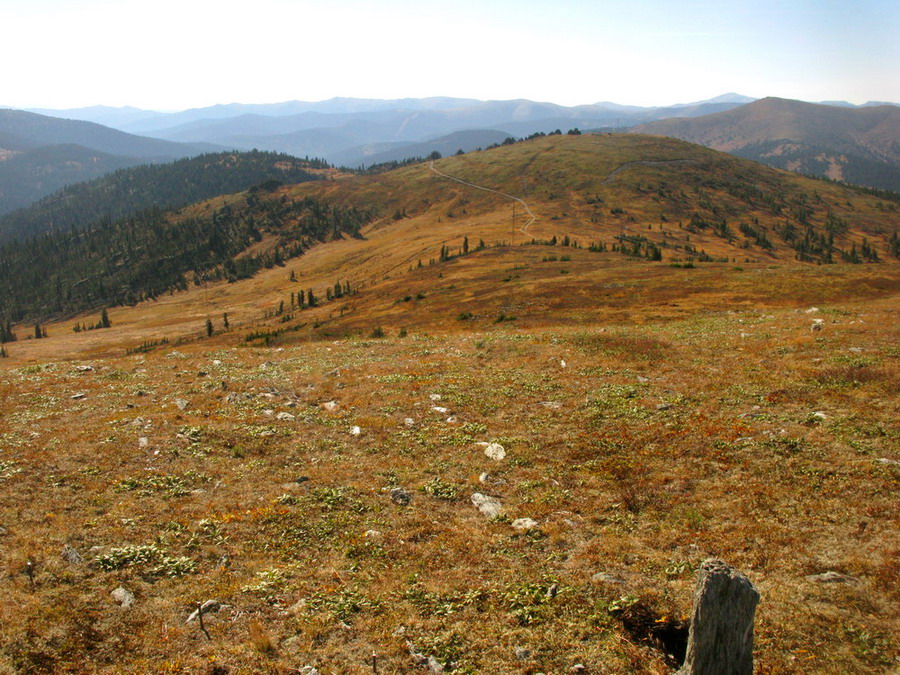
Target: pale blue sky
x=175, y=54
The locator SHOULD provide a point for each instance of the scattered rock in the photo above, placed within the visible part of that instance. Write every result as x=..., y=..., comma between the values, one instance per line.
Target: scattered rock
x=522, y=653
x=832, y=577
x=409, y=421
x=490, y=507
x=84, y=369
x=122, y=596
x=607, y=578
x=434, y=666
x=216, y=362
x=552, y=591
x=816, y=325
x=642, y=379
x=77, y=397
x=71, y=556
x=400, y=496
x=664, y=406
x=553, y=405
x=355, y=431
x=524, y=524
x=330, y=406
x=285, y=417
x=562, y=363
x=205, y=608
x=309, y=670
x=373, y=534
x=885, y=460
x=819, y=415
x=143, y=442
x=181, y=403
x=301, y=479
x=434, y=397
x=440, y=409
x=812, y=310
x=578, y=668
x=494, y=451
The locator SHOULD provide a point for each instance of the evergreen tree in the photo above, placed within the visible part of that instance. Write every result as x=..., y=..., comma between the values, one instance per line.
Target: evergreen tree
x=465, y=245
x=209, y=328
x=225, y=323
x=38, y=333
x=104, y=319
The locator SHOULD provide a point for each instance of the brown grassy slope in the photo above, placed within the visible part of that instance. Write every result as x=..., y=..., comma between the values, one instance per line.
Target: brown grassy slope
x=642, y=438
x=590, y=188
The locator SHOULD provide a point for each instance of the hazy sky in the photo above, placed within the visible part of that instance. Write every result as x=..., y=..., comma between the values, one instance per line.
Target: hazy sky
x=176, y=54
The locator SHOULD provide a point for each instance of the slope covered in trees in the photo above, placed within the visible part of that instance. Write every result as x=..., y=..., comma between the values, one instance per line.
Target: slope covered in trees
x=130, y=190
x=154, y=251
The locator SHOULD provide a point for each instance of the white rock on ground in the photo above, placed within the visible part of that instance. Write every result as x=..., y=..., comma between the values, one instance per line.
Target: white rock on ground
x=494, y=451
x=355, y=431
x=123, y=596
x=181, y=403
x=439, y=409
x=434, y=397
x=284, y=416
x=330, y=405
x=524, y=524
x=490, y=507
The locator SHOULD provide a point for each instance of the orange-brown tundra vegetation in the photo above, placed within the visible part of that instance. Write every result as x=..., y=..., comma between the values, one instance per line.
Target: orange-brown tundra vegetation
x=649, y=416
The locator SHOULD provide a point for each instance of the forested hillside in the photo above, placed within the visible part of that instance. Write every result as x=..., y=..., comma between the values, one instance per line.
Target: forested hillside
x=141, y=257
x=165, y=186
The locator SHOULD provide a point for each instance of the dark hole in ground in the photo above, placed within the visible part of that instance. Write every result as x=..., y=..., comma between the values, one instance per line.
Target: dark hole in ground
x=665, y=634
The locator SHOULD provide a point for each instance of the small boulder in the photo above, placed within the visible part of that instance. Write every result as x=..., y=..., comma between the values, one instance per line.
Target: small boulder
x=355, y=431
x=71, y=556
x=330, y=406
x=522, y=653
x=524, y=524
x=181, y=403
x=123, y=596
x=832, y=577
x=285, y=417
x=400, y=496
x=490, y=507
x=494, y=451
x=80, y=395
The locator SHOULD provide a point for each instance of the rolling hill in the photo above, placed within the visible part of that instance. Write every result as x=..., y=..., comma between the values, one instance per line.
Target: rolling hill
x=127, y=191
x=857, y=145
x=41, y=154
x=536, y=388
x=639, y=196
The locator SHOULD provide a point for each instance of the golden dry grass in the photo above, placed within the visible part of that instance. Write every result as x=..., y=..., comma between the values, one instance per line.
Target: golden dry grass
x=652, y=416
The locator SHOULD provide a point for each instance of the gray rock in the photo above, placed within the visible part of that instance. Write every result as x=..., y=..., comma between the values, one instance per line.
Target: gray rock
x=80, y=395
x=434, y=666
x=490, y=507
x=400, y=496
x=607, y=578
x=831, y=577
x=181, y=403
x=494, y=451
x=205, y=608
x=284, y=417
x=330, y=406
x=522, y=654
x=553, y=405
x=888, y=462
x=578, y=668
x=524, y=524
x=71, y=556
x=308, y=670
x=122, y=596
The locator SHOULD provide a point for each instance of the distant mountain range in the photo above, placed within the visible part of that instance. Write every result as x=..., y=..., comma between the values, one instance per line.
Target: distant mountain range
x=859, y=145
x=345, y=130
x=41, y=154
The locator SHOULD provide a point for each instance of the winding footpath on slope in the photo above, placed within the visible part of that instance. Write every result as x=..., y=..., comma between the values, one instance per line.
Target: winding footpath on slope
x=531, y=216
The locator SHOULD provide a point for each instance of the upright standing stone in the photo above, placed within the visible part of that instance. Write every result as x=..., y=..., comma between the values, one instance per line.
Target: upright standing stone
x=721, y=637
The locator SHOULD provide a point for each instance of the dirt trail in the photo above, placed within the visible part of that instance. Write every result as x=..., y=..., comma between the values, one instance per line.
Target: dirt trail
x=531, y=216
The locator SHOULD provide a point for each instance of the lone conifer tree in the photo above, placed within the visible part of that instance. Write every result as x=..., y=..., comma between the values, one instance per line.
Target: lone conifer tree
x=209, y=328
x=104, y=319
x=38, y=333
